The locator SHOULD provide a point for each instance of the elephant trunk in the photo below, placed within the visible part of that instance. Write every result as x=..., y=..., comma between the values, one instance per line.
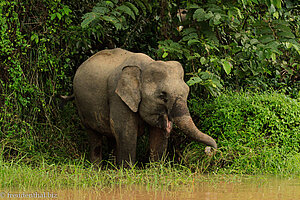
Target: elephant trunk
x=183, y=120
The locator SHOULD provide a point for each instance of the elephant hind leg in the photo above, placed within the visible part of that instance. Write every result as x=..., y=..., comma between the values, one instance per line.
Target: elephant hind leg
x=95, y=141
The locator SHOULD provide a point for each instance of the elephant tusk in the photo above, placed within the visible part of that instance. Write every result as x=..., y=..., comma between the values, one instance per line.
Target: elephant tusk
x=169, y=126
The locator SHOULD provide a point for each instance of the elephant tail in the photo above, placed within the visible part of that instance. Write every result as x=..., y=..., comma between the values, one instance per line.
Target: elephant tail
x=65, y=99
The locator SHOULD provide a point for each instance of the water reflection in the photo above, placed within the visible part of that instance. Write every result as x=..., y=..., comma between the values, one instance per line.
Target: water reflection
x=256, y=189
x=253, y=188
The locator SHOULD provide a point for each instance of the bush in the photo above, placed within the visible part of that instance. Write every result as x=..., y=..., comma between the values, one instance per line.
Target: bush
x=39, y=52
x=256, y=133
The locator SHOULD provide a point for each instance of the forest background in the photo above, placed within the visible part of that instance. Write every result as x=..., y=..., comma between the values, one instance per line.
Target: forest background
x=241, y=60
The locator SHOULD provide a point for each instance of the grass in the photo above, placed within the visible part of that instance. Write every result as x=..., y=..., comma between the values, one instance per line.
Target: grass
x=160, y=175
x=163, y=175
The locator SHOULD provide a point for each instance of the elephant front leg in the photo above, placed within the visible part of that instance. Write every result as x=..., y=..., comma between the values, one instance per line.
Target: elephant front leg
x=158, y=143
x=124, y=126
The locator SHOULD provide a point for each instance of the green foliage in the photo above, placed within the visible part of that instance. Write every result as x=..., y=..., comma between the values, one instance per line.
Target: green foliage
x=36, y=66
x=256, y=133
x=208, y=80
x=222, y=45
x=108, y=12
x=125, y=24
x=244, y=43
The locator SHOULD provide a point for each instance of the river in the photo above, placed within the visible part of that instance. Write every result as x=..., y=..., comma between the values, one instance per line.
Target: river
x=240, y=188
x=243, y=189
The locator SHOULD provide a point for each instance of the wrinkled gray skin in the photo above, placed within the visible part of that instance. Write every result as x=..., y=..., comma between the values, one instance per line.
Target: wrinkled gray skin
x=118, y=92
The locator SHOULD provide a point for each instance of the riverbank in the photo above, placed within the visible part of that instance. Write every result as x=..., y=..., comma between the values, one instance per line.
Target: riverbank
x=154, y=176
x=155, y=181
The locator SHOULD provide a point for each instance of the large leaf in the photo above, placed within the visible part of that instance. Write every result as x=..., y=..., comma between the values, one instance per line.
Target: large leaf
x=101, y=10
x=254, y=41
x=116, y=22
x=277, y=3
x=264, y=30
x=199, y=15
x=141, y=6
x=288, y=35
x=88, y=18
x=194, y=80
x=283, y=27
x=266, y=39
x=273, y=45
x=227, y=66
x=148, y=5
x=110, y=3
x=190, y=37
x=127, y=10
x=193, y=41
x=187, y=31
x=132, y=7
x=217, y=18
x=192, y=6
x=294, y=44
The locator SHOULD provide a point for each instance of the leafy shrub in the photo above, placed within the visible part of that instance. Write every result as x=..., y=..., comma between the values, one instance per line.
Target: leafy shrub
x=243, y=43
x=255, y=133
x=37, y=60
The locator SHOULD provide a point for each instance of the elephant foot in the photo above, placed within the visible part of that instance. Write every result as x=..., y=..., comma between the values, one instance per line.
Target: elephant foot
x=96, y=155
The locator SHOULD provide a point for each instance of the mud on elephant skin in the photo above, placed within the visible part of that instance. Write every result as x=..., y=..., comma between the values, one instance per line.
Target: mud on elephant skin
x=118, y=93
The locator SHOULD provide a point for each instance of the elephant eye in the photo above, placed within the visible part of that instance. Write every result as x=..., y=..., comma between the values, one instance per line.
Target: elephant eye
x=163, y=96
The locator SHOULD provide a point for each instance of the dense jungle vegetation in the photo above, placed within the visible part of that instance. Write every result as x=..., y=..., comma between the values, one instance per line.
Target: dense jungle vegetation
x=241, y=59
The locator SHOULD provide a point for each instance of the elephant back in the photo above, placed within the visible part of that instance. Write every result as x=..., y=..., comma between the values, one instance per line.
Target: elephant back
x=90, y=87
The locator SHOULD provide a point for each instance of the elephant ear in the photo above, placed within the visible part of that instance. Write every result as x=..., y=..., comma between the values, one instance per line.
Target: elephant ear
x=128, y=87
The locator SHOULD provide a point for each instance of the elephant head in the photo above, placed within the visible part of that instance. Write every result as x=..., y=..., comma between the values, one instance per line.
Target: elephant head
x=159, y=94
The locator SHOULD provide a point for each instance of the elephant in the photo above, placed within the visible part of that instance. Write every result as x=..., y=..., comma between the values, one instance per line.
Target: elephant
x=118, y=93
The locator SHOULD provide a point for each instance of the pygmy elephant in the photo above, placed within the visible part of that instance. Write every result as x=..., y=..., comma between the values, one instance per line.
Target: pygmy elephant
x=118, y=92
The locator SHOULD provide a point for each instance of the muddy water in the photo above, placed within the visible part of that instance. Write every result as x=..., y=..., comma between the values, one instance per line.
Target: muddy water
x=243, y=189
x=256, y=189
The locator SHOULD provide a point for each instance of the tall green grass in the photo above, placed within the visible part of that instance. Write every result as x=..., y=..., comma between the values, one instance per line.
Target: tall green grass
x=161, y=175
x=77, y=175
